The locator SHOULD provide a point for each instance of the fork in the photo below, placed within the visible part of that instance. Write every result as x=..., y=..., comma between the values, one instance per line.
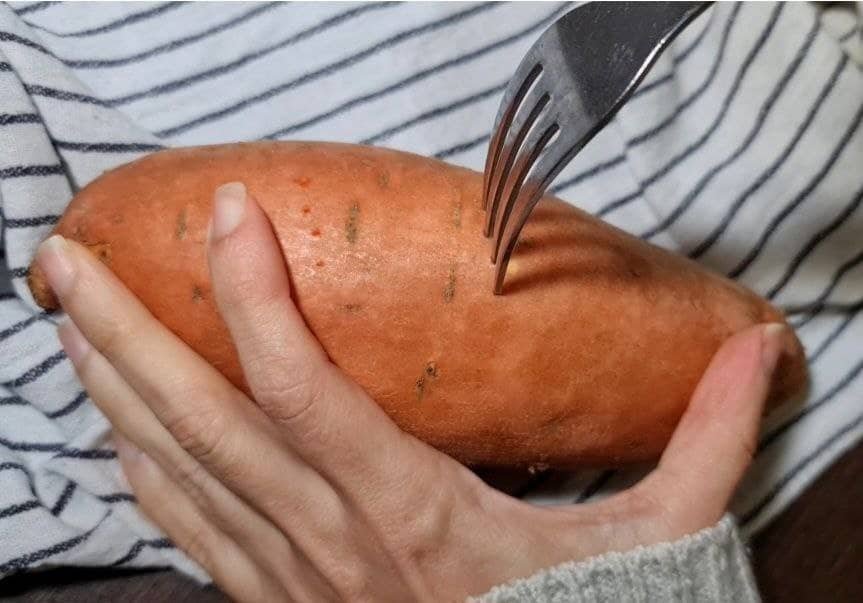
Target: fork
x=569, y=85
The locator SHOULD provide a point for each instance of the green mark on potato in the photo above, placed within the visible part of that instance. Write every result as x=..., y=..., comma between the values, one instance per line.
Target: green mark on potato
x=352, y=225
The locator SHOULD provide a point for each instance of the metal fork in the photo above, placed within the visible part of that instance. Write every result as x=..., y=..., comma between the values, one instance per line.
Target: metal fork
x=570, y=84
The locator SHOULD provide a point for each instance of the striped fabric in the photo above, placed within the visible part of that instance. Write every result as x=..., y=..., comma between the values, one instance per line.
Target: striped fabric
x=742, y=149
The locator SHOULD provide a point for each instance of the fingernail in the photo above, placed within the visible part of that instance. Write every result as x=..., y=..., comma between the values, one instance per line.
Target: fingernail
x=771, y=346
x=53, y=258
x=228, y=209
x=74, y=342
x=126, y=450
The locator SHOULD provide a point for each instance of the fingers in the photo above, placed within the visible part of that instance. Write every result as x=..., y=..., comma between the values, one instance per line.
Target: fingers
x=136, y=368
x=715, y=440
x=287, y=370
x=174, y=511
x=133, y=421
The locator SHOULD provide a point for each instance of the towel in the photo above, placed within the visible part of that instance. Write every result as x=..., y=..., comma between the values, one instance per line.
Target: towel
x=742, y=148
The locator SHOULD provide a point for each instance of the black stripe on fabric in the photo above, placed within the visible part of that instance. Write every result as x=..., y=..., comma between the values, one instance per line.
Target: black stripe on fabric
x=414, y=77
x=116, y=24
x=19, y=118
x=20, y=171
x=93, y=454
x=68, y=408
x=436, y=112
x=847, y=36
x=822, y=234
x=8, y=466
x=37, y=371
x=462, y=147
x=829, y=395
x=31, y=446
x=33, y=7
x=140, y=545
x=756, y=510
x=173, y=45
x=20, y=272
x=589, y=173
x=31, y=222
x=760, y=119
x=327, y=69
x=804, y=194
x=595, y=486
x=6, y=36
x=7, y=296
x=617, y=203
x=13, y=401
x=821, y=301
x=117, y=497
x=64, y=498
x=108, y=147
x=840, y=328
x=4, y=66
x=64, y=95
x=20, y=326
x=24, y=561
x=19, y=508
x=696, y=94
x=246, y=58
x=765, y=176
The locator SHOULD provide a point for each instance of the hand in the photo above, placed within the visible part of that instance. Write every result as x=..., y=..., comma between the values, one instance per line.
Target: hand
x=308, y=492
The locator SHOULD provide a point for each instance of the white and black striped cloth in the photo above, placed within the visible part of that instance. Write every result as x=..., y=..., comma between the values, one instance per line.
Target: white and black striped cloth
x=743, y=149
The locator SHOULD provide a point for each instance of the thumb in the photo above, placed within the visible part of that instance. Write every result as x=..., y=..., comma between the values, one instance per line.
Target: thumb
x=717, y=436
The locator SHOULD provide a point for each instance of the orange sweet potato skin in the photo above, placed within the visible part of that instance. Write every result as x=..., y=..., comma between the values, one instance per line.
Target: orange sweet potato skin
x=588, y=358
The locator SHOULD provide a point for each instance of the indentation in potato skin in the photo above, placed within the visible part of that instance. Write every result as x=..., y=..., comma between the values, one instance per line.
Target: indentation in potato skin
x=352, y=224
x=182, y=225
x=449, y=290
x=197, y=294
x=430, y=373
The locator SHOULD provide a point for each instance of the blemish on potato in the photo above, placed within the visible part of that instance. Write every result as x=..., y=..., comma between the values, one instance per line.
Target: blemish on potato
x=320, y=263
x=449, y=290
x=302, y=181
x=306, y=210
x=456, y=214
x=352, y=225
x=316, y=232
x=384, y=180
x=197, y=294
x=430, y=373
x=353, y=308
x=101, y=251
x=182, y=225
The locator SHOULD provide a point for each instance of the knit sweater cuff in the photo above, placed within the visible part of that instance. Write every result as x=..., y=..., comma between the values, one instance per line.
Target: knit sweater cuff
x=710, y=565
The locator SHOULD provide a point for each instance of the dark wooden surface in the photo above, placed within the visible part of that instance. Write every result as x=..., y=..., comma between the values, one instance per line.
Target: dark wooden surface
x=812, y=552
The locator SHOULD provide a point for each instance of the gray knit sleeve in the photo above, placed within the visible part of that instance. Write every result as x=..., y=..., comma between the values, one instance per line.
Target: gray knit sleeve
x=709, y=566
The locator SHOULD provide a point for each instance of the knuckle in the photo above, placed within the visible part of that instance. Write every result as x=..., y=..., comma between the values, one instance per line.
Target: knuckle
x=113, y=334
x=201, y=433
x=288, y=396
x=197, y=544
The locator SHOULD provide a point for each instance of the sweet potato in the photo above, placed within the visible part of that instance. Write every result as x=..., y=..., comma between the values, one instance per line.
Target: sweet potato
x=589, y=357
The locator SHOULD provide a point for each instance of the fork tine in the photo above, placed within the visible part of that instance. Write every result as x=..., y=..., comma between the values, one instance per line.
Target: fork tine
x=547, y=163
x=541, y=130
x=523, y=116
x=512, y=98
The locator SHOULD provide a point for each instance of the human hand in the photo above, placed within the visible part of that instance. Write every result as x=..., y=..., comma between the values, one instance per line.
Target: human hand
x=307, y=491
